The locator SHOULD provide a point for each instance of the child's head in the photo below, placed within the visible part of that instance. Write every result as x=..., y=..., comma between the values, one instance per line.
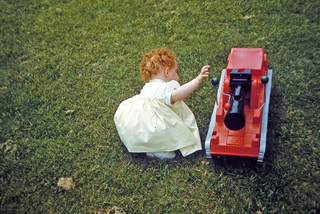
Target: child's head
x=155, y=60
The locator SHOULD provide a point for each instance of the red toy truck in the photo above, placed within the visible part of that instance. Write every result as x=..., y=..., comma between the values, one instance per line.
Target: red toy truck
x=239, y=121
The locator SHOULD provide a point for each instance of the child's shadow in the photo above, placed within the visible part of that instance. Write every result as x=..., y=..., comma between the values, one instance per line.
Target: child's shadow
x=231, y=162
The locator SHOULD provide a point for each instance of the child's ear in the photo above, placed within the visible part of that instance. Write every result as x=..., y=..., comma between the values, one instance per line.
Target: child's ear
x=166, y=72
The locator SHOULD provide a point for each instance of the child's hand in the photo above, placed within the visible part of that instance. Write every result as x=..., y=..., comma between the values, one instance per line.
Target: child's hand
x=185, y=90
x=203, y=74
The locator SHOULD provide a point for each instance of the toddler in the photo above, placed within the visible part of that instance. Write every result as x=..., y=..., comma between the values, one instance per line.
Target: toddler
x=157, y=121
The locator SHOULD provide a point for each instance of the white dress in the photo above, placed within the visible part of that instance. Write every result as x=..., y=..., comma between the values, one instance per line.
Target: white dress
x=148, y=122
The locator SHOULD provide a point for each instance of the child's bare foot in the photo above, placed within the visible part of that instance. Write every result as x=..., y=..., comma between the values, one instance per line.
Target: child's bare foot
x=161, y=155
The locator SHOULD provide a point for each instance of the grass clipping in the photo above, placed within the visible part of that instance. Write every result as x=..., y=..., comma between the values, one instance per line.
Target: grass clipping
x=8, y=147
x=66, y=184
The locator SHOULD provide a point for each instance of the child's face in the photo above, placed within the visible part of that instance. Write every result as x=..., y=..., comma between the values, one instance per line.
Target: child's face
x=172, y=73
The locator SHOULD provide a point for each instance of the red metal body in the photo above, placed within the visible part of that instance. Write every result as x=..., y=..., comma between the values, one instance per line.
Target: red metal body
x=246, y=141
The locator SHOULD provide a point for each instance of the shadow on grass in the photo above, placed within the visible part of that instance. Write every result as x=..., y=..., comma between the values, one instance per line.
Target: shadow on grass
x=245, y=166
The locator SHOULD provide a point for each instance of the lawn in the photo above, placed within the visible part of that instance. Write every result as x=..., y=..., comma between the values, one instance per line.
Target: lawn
x=65, y=65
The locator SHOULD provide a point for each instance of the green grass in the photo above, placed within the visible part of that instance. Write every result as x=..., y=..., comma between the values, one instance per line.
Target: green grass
x=66, y=65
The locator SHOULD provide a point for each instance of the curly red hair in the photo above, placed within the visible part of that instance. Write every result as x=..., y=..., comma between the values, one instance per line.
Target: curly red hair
x=152, y=61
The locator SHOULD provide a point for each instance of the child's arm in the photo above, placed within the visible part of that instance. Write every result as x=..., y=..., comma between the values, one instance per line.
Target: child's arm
x=186, y=89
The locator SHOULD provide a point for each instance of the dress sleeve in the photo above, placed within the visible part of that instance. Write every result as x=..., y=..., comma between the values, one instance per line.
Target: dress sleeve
x=170, y=86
